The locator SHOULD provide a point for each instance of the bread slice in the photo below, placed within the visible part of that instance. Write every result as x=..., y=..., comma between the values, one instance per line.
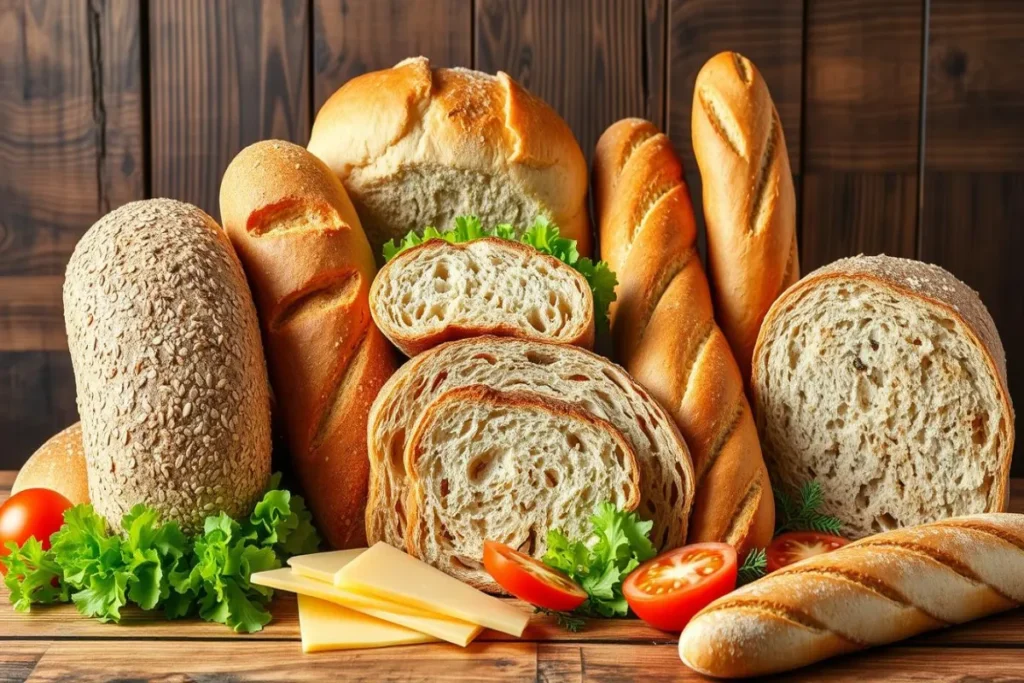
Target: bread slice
x=508, y=466
x=544, y=371
x=437, y=292
x=884, y=380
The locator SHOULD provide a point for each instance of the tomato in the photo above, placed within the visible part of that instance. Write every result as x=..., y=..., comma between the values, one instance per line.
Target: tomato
x=667, y=591
x=531, y=580
x=794, y=546
x=32, y=512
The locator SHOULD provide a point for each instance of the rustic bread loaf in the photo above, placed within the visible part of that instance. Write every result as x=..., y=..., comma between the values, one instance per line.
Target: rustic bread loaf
x=749, y=202
x=665, y=333
x=58, y=465
x=437, y=292
x=884, y=380
x=416, y=146
x=546, y=371
x=877, y=591
x=172, y=385
x=310, y=267
x=507, y=467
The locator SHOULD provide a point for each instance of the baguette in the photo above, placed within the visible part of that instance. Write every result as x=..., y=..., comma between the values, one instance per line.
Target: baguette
x=310, y=267
x=749, y=201
x=872, y=592
x=665, y=333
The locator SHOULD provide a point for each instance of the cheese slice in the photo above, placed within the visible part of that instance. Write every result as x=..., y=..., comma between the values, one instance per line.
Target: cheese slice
x=389, y=573
x=326, y=626
x=439, y=626
x=323, y=566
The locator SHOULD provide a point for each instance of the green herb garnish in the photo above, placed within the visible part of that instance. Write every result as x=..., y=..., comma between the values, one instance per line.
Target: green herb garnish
x=570, y=621
x=803, y=512
x=754, y=566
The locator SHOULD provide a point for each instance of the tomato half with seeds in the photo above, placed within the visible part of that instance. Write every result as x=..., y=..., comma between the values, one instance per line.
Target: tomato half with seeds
x=793, y=546
x=531, y=580
x=667, y=591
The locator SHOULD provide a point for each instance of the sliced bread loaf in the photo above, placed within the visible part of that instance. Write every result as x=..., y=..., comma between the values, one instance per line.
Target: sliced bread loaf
x=544, y=371
x=884, y=379
x=438, y=291
x=508, y=466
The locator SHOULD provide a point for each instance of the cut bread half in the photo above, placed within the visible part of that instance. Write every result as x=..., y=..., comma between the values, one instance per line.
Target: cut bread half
x=545, y=372
x=438, y=292
x=884, y=380
x=508, y=466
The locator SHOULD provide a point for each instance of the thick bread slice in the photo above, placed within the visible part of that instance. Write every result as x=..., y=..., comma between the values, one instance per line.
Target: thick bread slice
x=552, y=371
x=508, y=466
x=884, y=379
x=438, y=292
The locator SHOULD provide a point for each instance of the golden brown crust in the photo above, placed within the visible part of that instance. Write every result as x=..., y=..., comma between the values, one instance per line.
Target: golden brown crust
x=665, y=332
x=310, y=268
x=58, y=465
x=749, y=201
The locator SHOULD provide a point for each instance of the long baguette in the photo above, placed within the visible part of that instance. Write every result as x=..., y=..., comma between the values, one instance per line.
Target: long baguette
x=876, y=591
x=749, y=202
x=665, y=332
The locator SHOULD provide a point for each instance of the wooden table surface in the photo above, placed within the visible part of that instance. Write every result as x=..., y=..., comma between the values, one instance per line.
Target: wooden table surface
x=57, y=644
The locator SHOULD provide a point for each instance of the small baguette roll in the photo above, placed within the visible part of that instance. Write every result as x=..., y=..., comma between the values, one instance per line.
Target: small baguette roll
x=749, y=201
x=58, y=465
x=873, y=592
x=438, y=292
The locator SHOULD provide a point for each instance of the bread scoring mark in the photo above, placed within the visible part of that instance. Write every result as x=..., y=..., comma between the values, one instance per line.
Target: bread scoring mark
x=293, y=214
x=741, y=520
x=743, y=69
x=702, y=340
x=353, y=365
x=640, y=135
x=722, y=120
x=982, y=528
x=718, y=444
x=668, y=274
x=330, y=291
x=762, y=202
x=778, y=610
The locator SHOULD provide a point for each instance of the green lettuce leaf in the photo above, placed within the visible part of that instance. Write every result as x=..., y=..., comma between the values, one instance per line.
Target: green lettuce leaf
x=32, y=575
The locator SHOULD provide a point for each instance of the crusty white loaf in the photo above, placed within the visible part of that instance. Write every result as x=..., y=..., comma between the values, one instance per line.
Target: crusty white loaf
x=437, y=292
x=58, y=465
x=873, y=592
x=547, y=371
x=488, y=465
x=884, y=380
x=665, y=332
x=416, y=146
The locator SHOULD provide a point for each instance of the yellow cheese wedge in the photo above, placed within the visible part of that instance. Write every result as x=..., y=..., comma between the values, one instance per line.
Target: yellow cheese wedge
x=326, y=626
x=441, y=627
x=389, y=573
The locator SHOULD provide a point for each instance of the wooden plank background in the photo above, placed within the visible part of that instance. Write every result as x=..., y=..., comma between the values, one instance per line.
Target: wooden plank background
x=903, y=120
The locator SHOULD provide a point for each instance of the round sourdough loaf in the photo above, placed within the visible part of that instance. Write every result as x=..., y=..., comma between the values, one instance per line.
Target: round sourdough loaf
x=172, y=386
x=884, y=380
x=58, y=465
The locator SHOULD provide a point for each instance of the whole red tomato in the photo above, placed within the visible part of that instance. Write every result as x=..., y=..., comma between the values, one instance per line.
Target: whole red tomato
x=32, y=512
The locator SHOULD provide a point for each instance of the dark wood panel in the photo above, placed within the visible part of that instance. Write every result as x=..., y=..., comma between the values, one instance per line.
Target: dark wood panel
x=31, y=313
x=594, y=61
x=352, y=37
x=223, y=74
x=37, y=399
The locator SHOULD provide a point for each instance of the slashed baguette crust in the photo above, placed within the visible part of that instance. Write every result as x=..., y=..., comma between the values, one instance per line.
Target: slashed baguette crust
x=549, y=371
x=749, y=201
x=310, y=268
x=873, y=592
x=509, y=466
x=438, y=292
x=665, y=333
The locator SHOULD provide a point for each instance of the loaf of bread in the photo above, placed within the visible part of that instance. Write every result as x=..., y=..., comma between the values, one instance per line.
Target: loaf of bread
x=749, y=202
x=416, y=147
x=544, y=371
x=884, y=379
x=508, y=466
x=438, y=292
x=665, y=332
x=172, y=384
x=877, y=591
x=310, y=267
x=58, y=465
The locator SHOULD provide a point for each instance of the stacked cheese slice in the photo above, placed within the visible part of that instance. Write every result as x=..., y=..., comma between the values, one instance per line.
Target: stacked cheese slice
x=381, y=596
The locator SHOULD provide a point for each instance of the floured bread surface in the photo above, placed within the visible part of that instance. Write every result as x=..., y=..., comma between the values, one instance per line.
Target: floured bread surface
x=547, y=371
x=438, y=292
x=509, y=466
x=884, y=380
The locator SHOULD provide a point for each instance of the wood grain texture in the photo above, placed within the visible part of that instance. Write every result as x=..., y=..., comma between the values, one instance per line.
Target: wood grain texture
x=593, y=61
x=352, y=37
x=18, y=659
x=223, y=74
x=37, y=399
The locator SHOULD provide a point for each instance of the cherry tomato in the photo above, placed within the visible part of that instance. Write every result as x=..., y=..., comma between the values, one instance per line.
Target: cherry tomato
x=667, y=591
x=794, y=546
x=531, y=580
x=32, y=512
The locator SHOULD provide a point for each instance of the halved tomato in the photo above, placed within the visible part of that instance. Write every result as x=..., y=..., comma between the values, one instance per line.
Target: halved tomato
x=667, y=591
x=794, y=546
x=531, y=580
